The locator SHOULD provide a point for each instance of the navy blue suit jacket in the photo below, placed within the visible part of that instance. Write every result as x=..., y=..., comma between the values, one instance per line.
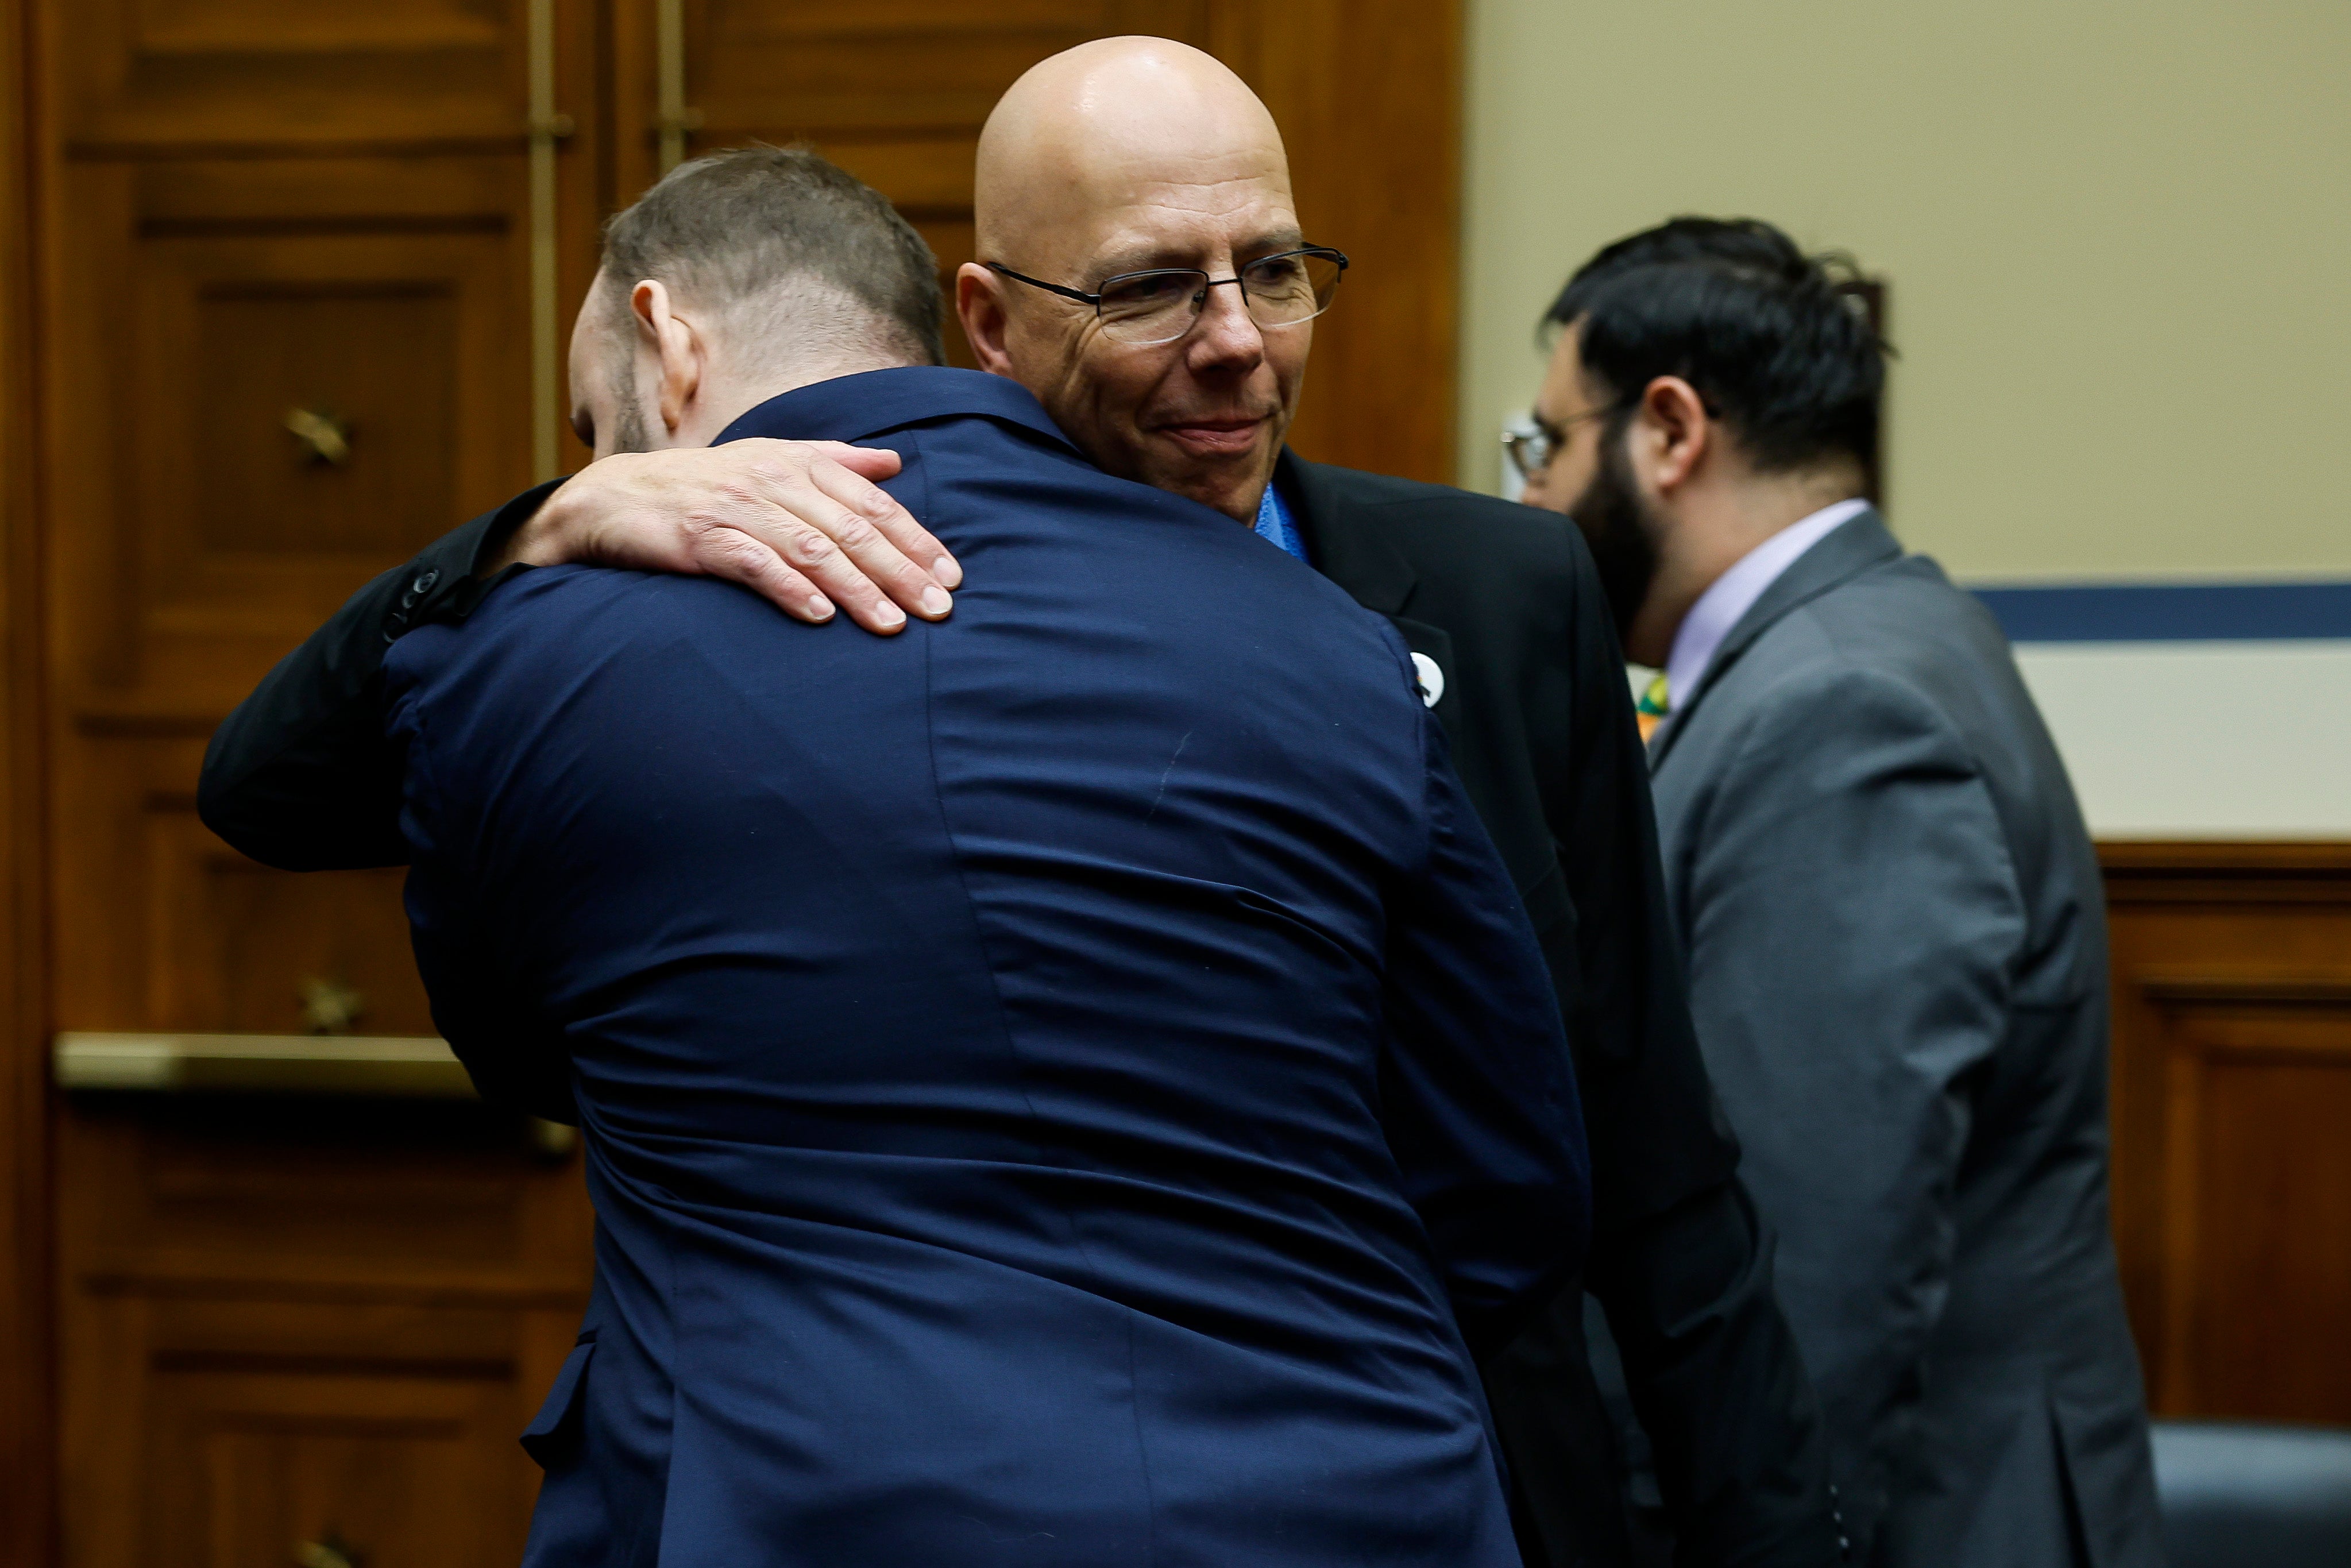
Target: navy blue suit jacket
x=1070, y=1085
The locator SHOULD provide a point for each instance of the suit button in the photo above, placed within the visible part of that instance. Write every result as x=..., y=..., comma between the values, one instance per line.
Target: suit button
x=424, y=582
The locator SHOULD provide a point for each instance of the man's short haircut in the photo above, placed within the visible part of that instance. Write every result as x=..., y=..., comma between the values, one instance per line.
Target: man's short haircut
x=726, y=229
x=1760, y=330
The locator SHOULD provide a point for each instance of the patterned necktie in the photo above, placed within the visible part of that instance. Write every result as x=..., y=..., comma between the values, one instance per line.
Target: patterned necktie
x=1651, y=709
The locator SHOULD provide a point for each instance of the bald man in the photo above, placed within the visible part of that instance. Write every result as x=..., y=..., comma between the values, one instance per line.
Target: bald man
x=1116, y=180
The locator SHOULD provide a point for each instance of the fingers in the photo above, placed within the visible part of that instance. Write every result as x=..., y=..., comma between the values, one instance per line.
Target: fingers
x=846, y=572
x=740, y=559
x=896, y=553
x=802, y=524
x=788, y=497
x=872, y=462
x=847, y=473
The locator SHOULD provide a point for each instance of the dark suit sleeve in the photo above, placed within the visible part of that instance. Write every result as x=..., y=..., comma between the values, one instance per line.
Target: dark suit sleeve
x=480, y=1003
x=1477, y=1089
x=1853, y=916
x=1679, y=1263
x=301, y=776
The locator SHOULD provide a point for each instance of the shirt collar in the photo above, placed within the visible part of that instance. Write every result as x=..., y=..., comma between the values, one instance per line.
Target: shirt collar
x=1276, y=526
x=851, y=408
x=1734, y=593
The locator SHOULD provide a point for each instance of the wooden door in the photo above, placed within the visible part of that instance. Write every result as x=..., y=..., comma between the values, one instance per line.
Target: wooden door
x=286, y=274
x=285, y=316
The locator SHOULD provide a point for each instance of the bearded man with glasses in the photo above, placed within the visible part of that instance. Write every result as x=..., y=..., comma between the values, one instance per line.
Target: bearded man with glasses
x=1146, y=277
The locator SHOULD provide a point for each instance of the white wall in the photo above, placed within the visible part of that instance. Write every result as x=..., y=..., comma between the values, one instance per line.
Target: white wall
x=2117, y=236
x=2202, y=740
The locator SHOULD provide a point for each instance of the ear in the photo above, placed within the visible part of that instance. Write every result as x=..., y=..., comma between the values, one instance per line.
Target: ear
x=673, y=343
x=979, y=302
x=1674, y=433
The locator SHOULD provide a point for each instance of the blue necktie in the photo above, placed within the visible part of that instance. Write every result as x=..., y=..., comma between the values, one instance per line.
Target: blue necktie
x=1273, y=524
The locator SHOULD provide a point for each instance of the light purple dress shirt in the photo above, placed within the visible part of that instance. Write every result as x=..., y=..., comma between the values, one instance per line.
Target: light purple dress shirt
x=1733, y=593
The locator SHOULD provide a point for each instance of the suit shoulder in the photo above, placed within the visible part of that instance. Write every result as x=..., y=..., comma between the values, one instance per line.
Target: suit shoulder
x=1435, y=525
x=1891, y=653
x=1413, y=504
x=1908, y=622
x=548, y=616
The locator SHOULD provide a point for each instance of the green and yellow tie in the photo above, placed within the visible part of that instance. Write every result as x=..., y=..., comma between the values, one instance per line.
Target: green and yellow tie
x=1653, y=707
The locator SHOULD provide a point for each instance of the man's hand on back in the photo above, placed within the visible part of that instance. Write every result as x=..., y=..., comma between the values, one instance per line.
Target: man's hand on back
x=799, y=523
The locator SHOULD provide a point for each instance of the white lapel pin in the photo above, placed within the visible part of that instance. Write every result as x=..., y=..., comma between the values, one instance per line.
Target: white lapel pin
x=1432, y=679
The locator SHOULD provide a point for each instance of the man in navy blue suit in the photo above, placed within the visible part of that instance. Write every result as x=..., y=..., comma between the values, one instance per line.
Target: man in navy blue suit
x=1071, y=1085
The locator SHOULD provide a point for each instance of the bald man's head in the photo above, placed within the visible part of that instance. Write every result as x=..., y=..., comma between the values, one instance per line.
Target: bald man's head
x=1121, y=156
x=1110, y=125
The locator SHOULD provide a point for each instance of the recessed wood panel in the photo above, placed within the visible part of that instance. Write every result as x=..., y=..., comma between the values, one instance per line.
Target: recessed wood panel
x=1368, y=97
x=244, y=1430
x=2276, y=1179
x=193, y=936
x=403, y=340
x=152, y=76
x=239, y=948
x=2231, y=985
x=332, y=424
x=843, y=66
x=284, y=1318
x=212, y=315
x=299, y=26
x=338, y=1185
x=375, y=1469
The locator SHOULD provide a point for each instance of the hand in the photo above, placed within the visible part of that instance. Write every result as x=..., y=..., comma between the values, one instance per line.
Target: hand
x=797, y=522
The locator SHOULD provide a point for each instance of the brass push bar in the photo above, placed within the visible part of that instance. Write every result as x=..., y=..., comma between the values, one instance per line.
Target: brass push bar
x=382, y=1066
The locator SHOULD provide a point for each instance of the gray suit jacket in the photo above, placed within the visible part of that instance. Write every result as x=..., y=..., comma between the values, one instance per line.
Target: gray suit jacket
x=1898, y=964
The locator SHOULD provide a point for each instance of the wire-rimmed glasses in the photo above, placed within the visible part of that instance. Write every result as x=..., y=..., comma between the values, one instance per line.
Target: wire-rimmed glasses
x=1159, y=305
x=1530, y=447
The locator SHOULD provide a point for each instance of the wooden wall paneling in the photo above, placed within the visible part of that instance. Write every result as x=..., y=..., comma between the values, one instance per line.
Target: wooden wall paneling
x=277, y=1318
x=2231, y=985
x=299, y=1320
x=143, y=77
x=352, y=290
x=1368, y=97
x=214, y=301
x=27, y=1404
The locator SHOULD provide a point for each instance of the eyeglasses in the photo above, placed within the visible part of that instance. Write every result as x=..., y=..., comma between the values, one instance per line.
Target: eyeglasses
x=1140, y=309
x=1530, y=449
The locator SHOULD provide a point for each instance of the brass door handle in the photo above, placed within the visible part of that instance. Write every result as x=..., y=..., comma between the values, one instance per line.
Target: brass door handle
x=325, y=437
x=329, y=1007
x=380, y=1067
x=332, y=1553
x=377, y=1067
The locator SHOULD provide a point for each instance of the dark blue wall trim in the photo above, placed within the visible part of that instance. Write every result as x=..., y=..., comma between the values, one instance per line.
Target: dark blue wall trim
x=2172, y=613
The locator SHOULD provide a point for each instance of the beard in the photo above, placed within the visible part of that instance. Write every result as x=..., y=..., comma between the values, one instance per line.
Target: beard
x=1616, y=524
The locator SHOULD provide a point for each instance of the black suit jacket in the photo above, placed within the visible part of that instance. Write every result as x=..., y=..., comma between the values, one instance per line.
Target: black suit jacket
x=1506, y=604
